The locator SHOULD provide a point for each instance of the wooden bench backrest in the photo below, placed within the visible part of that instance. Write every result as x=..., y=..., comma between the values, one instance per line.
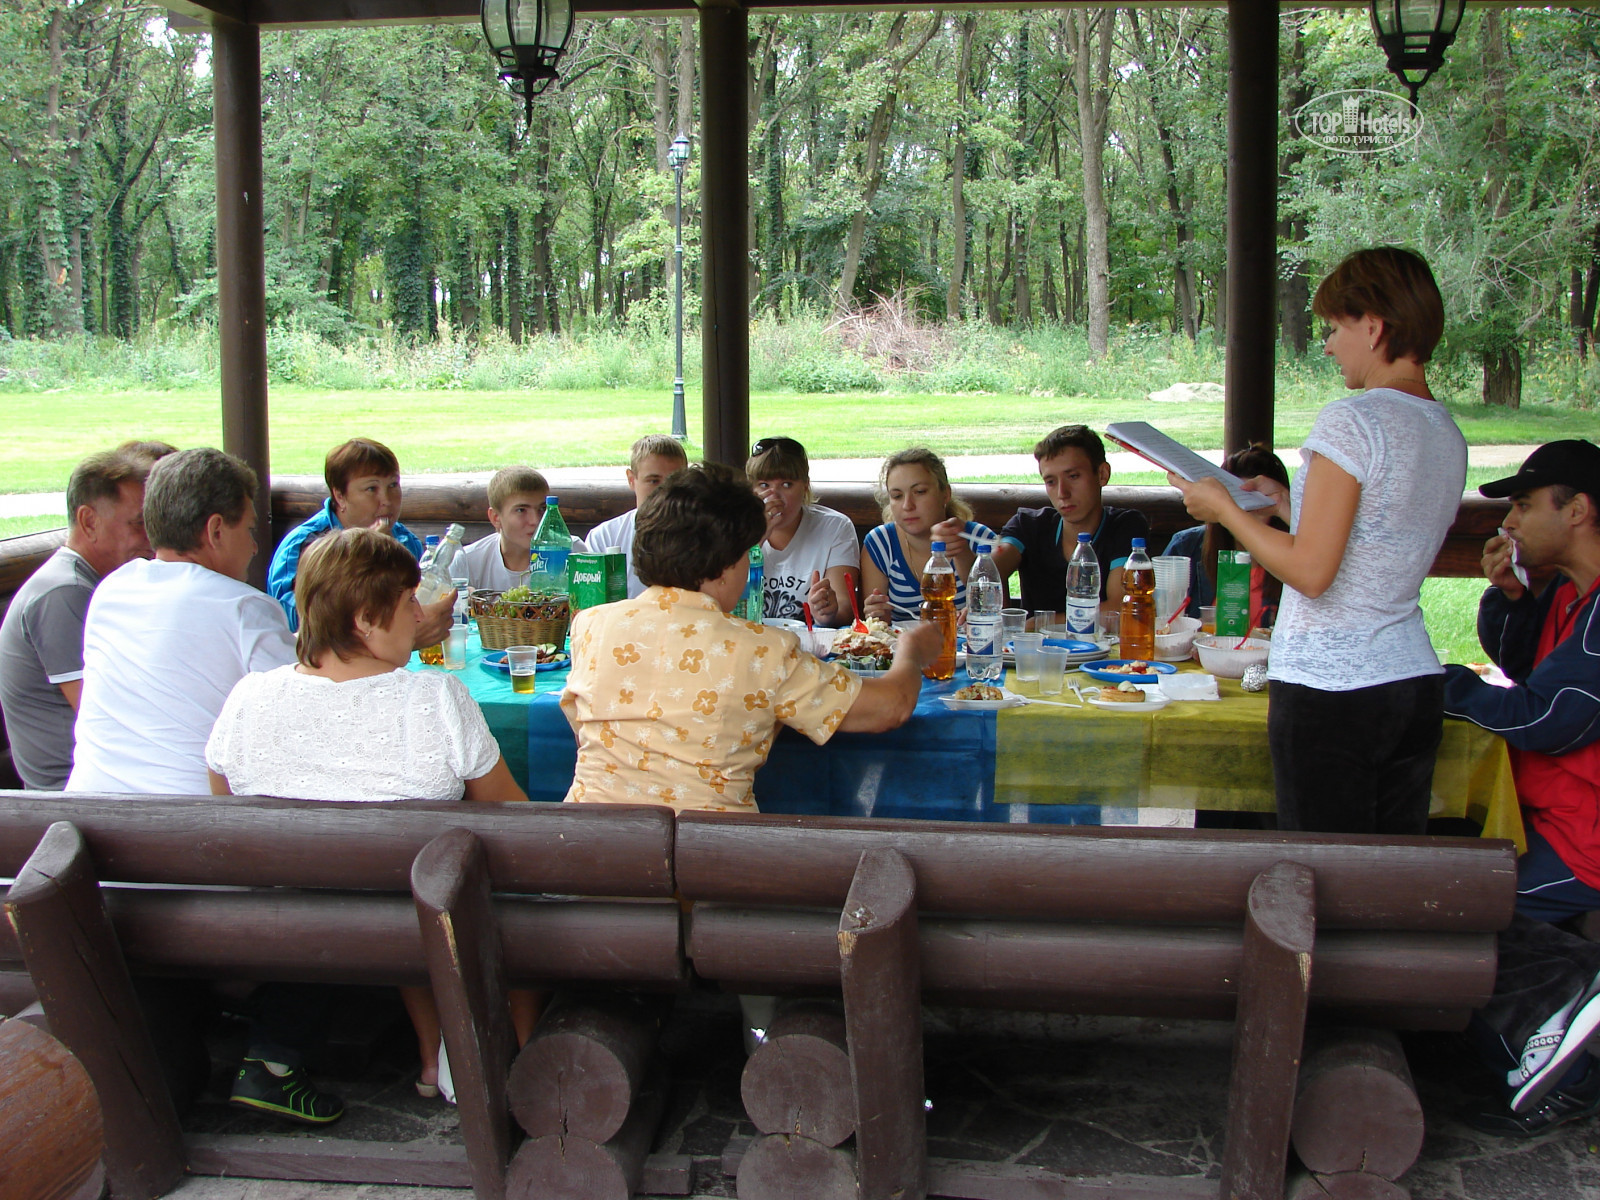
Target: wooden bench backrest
x=1076, y=873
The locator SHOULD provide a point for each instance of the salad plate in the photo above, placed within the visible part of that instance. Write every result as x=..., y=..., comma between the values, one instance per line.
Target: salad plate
x=1009, y=700
x=1101, y=672
x=495, y=661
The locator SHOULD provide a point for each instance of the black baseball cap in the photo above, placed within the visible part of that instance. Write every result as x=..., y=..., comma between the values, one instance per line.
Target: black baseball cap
x=1573, y=463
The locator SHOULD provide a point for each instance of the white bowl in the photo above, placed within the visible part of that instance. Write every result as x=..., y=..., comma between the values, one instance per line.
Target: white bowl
x=1218, y=655
x=1178, y=643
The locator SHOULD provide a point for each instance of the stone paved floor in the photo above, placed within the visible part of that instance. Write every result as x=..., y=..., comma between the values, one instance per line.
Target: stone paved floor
x=1077, y=1095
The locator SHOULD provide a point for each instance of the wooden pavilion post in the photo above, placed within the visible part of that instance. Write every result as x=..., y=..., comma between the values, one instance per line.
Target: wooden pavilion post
x=1252, y=221
x=241, y=260
x=724, y=236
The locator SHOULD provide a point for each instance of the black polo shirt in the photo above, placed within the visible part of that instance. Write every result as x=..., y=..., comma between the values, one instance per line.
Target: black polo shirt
x=1043, y=573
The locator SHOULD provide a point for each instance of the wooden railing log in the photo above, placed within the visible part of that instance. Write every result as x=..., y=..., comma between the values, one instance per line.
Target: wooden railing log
x=461, y=942
x=1344, y=1185
x=55, y=912
x=582, y=1070
x=576, y=1168
x=374, y=938
x=1356, y=1107
x=798, y=1080
x=787, y=1166
x=1363, y=882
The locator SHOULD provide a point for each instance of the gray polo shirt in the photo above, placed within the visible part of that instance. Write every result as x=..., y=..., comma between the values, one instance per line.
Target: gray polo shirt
x=41, y=645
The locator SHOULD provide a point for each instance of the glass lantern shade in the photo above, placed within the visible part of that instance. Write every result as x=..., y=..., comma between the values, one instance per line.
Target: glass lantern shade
x=678, y=152
x=527, y=39
x=1415, y=34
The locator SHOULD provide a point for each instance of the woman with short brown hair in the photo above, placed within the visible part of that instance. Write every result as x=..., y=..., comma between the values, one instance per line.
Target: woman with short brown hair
x=1357, y=693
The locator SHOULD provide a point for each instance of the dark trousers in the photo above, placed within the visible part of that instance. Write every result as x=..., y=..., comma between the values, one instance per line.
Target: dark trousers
x=1540, y=966
x=1358, y=761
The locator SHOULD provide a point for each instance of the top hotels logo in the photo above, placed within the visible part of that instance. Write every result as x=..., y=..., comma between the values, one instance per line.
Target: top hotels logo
x=1359, y=121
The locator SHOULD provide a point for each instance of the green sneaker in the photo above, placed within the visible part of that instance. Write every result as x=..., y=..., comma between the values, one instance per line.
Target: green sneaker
x=289, y=1095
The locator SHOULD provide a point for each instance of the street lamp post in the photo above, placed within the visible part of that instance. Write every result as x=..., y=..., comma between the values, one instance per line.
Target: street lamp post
x=678, y=156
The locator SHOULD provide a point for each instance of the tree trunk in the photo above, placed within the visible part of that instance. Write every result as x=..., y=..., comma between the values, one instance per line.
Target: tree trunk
x=1502, y=377
x=514, y=277
x=1294, y=278
x=960, y=230
x=1089, y=37
x=1022, y=165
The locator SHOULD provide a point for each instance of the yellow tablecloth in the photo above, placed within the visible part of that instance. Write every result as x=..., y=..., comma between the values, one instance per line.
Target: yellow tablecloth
x=1210, y=755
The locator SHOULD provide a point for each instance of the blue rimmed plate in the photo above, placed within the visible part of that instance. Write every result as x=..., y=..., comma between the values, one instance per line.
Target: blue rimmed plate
x=495, y=661
x=1101, y=671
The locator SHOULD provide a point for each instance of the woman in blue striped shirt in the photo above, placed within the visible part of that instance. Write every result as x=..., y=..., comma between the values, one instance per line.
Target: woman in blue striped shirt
x=918, y=510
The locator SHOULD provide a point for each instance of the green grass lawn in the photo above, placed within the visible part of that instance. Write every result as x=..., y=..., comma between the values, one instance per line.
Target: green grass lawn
x=469, y=430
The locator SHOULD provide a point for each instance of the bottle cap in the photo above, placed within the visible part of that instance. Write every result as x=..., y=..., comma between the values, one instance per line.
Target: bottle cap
x=1138, y=543
x=431, y=540
x=1084, y=537
x=937, y=547
x=551, y=501
x=982, y=547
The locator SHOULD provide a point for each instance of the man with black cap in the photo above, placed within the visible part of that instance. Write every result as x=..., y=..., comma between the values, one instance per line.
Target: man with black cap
x=1539, y=623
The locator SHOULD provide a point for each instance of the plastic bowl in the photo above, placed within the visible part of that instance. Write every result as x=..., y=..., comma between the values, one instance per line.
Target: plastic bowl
x=1218, y=655
x=1178, y=643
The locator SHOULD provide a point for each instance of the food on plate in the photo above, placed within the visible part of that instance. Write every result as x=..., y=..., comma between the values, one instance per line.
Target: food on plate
x=550, y=652
x=869, y=651
x=1129, y=668
x=1123, y=693
x=980, y=691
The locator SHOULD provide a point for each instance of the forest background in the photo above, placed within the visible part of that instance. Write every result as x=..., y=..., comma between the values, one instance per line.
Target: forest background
x=987, y=222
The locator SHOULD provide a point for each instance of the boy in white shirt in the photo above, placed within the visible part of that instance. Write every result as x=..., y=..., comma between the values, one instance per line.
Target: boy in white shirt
x=499, y=562
x=652, y=459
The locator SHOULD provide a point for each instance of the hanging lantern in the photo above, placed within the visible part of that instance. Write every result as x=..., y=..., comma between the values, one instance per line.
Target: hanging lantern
x=527, y=39
x=1414, y=35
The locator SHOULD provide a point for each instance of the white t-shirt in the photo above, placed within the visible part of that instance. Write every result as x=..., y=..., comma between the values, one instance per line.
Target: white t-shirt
x=163, y=645
x=486, y=568
x=617, y=534
x=1367, y=629
x=403, y=735
x=826, y=538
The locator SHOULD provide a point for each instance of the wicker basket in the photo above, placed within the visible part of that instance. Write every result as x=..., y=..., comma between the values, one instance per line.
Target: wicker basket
x=538, y=623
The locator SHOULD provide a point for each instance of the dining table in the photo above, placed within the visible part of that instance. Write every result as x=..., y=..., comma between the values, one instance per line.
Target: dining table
x=1040, y=762
x=1037, y=764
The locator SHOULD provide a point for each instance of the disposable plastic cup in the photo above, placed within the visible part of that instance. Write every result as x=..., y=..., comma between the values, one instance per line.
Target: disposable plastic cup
x=1027, y=647
x=1052, y=669
x=455, y=648
x=524, y=664
x=1172, y=583
x=1044, y=621
x=1014, y=620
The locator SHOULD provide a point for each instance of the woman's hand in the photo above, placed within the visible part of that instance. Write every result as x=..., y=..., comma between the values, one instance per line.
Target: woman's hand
x=921, y=643
x=436, y=621
x=824, y=604
x=877, y=605
x=951, y=531
x=1206, y=499
x=1274, y=491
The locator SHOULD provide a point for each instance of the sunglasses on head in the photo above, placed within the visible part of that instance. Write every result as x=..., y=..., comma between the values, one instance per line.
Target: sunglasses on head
x=772, y=443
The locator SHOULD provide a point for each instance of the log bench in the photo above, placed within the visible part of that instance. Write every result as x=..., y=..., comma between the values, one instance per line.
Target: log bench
x=471, y=898
x=1261, y=928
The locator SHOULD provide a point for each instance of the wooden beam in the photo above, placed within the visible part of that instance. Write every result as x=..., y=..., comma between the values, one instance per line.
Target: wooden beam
x=1252, y=222
x=724, y=238
x=241, y=259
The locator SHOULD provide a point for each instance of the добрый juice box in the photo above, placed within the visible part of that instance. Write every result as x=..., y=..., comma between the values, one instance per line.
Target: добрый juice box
x=1233, y=593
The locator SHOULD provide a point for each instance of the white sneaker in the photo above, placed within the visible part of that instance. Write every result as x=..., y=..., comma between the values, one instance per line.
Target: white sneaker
x=1543, y=1065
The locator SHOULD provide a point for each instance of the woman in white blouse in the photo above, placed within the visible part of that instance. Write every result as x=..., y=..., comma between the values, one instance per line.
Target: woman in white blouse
x=349, y=722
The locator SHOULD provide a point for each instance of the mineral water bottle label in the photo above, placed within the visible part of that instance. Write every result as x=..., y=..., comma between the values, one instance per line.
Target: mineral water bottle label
x=1081, y=616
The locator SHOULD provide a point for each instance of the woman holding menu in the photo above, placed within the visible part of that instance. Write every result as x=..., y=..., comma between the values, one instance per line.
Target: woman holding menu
x=1356, y=697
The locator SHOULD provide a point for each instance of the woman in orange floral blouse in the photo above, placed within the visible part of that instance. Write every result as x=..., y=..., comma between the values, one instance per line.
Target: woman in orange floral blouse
x=674, y=700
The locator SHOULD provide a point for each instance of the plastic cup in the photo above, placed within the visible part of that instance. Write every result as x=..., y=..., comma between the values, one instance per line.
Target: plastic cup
x=1052, y=669
x=1044, y=621
x=1013, y=620
x=455, y=648
x=1208, y=618
x=1027, y=647
x=1172, y=584
x=524, y=664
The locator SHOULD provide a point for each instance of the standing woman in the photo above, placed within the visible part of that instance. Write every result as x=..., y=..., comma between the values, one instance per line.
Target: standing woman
x=1357, y=692
x=918, y=510
x=809, y=551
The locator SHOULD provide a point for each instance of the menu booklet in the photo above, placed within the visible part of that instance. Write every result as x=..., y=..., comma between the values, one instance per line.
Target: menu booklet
x=1149, y=442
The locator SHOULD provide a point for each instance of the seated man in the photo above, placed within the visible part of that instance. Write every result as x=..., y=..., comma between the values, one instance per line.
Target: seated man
x=653, y=458
x=1546, y=1004
x=1039, y=541
x=41, y=639
x=499, y=562
x=164, y=643
x=675, y=701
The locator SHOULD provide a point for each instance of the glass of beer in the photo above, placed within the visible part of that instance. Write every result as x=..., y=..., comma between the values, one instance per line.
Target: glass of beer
x=524, y=663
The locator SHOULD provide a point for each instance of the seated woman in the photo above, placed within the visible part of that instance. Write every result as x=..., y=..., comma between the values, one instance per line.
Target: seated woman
x=918, y=510
x=349, y=722
x=676, y=702
x=809, y=552
x=363, y=478
x=1202, y=543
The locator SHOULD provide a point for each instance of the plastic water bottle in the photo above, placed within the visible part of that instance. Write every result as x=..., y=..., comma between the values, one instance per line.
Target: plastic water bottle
x=752, y=603
x=547, y=557
x=1083, y=590
x=436, y=561
x=939, y=606
x=1138, y=628
x=985, y=598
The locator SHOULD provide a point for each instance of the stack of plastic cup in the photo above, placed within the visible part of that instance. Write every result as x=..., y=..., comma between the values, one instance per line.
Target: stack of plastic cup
x=1172, y=584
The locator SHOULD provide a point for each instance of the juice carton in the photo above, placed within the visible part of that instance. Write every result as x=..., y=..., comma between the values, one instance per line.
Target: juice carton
x=587, y=576
x=1233, y=593
x=616, y=576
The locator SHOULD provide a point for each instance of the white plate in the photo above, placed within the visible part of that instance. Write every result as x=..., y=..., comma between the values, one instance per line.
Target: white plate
x=788, y=623
x=1152, y=701
x=1011, y=700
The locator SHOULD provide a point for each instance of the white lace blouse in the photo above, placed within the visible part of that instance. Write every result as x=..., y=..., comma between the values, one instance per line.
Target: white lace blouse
x=406, y=735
